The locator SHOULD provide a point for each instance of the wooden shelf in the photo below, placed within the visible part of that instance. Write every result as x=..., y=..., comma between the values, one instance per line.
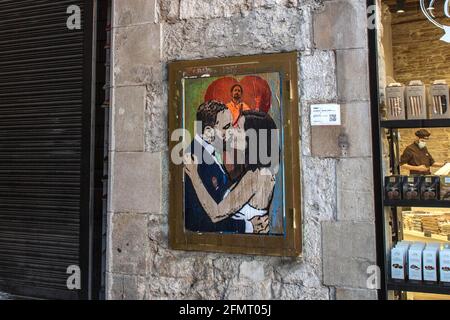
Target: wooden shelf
x=428, y=123
x=421, y=235
x=417, y=203
x=418, y=286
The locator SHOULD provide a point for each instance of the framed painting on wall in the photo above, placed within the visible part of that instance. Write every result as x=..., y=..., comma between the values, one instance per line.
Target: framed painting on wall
x=234, y=155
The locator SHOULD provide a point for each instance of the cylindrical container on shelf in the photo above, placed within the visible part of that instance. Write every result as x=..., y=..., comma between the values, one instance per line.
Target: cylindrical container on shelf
x=439, y=100
x=395, y=102
x=416, y=100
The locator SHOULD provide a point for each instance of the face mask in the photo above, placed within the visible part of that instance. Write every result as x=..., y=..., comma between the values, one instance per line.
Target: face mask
x=422, y=144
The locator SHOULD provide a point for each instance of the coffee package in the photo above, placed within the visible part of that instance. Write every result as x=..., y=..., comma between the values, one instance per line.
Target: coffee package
x=444, y=265
x=429, y=188
x=445, y=188
x=399, y=260
x=430, y=262
x=411, y=187
x=393, y=187
x=415, y=254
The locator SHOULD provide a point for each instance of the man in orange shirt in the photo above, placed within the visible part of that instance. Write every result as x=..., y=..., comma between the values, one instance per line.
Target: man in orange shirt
x=236, y=105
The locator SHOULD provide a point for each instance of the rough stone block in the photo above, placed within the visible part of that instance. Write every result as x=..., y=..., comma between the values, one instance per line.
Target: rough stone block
x=129, y=245
x=352, y=75
x=129, y=118
x=163, y=288
x=137, y=52
x=114, y=286
x=261, y=31
x=355, y=200
x=356, y=122
x=356, y=294
x=130, y=12
x=296, y=292
x=252, y=270
x=190, y=9
x=320, y=173
x=324, y=141
x=318, y=76
x=312, y=246
x=336, y=26
x=348, y=168
x=356, y=206
x=156, y=120
x=169, y=11
x=136, y=183
x=355, y=129
x=349, y=248
x=134, y=288
x=297, y=273
x=305, y=128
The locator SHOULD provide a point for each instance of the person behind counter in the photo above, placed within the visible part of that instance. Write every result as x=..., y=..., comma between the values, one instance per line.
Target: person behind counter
x=416, y=157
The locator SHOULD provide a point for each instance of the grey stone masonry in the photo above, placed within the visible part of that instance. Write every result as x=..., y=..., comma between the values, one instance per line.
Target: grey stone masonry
x=338, y=232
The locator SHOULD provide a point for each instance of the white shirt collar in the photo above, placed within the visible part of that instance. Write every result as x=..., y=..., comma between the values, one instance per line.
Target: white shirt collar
x=208, y=147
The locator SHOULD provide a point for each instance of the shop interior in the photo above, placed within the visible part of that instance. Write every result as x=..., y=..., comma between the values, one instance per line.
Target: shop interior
x=414, y=78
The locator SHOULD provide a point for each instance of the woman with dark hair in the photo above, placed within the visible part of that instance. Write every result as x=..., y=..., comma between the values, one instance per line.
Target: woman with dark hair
x=249, y=198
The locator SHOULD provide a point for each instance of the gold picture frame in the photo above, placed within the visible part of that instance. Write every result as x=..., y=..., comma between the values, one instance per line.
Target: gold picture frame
x=287, y=243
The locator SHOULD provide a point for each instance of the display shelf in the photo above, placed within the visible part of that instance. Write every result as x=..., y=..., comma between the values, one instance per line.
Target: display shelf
x=417, y=203
x=423, y=236
x=418, y=286
x=428, y=123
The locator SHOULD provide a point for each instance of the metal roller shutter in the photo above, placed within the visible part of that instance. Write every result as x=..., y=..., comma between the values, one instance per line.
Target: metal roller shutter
x=44, y=145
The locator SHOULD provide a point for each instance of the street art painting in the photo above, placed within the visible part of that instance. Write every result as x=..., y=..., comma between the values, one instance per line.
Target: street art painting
x=228, y=195
x=231, y=182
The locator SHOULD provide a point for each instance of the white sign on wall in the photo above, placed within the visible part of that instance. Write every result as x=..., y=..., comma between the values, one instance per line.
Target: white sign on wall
x=428, y=8
x=325, y=115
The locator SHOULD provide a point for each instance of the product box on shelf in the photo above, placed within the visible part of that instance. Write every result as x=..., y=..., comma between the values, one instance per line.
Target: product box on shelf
x=411, y=187
x=415, y=261
x=430, y=262
x=393, y=187
x=445, y=188
x=395, y=102
x=444, y=264
x=416, y=100
x=429, y=188
x=399, y=260
x=439, y=100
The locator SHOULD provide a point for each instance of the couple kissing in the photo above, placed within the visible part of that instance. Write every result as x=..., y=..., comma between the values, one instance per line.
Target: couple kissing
x=216, y=199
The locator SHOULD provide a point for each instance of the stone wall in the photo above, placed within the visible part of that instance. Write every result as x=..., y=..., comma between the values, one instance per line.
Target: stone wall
x=338, y=221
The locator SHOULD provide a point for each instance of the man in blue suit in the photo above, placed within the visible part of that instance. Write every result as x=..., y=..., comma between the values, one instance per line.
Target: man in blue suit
x=216, y=121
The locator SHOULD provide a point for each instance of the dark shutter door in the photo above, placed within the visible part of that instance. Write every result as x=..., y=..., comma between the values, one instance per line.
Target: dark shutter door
x=44, y=145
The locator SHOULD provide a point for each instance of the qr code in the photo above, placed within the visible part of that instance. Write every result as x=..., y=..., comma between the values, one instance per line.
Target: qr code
x=332, y=117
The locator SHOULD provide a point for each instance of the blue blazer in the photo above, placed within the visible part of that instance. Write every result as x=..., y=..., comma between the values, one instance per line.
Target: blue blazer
x=216, y=183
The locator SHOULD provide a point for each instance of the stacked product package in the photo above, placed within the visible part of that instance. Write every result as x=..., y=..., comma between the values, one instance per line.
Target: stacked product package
x=420, y=261
x=417, y=101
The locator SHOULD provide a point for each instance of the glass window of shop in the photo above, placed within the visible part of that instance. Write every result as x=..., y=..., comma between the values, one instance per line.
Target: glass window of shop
x=413, y=53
